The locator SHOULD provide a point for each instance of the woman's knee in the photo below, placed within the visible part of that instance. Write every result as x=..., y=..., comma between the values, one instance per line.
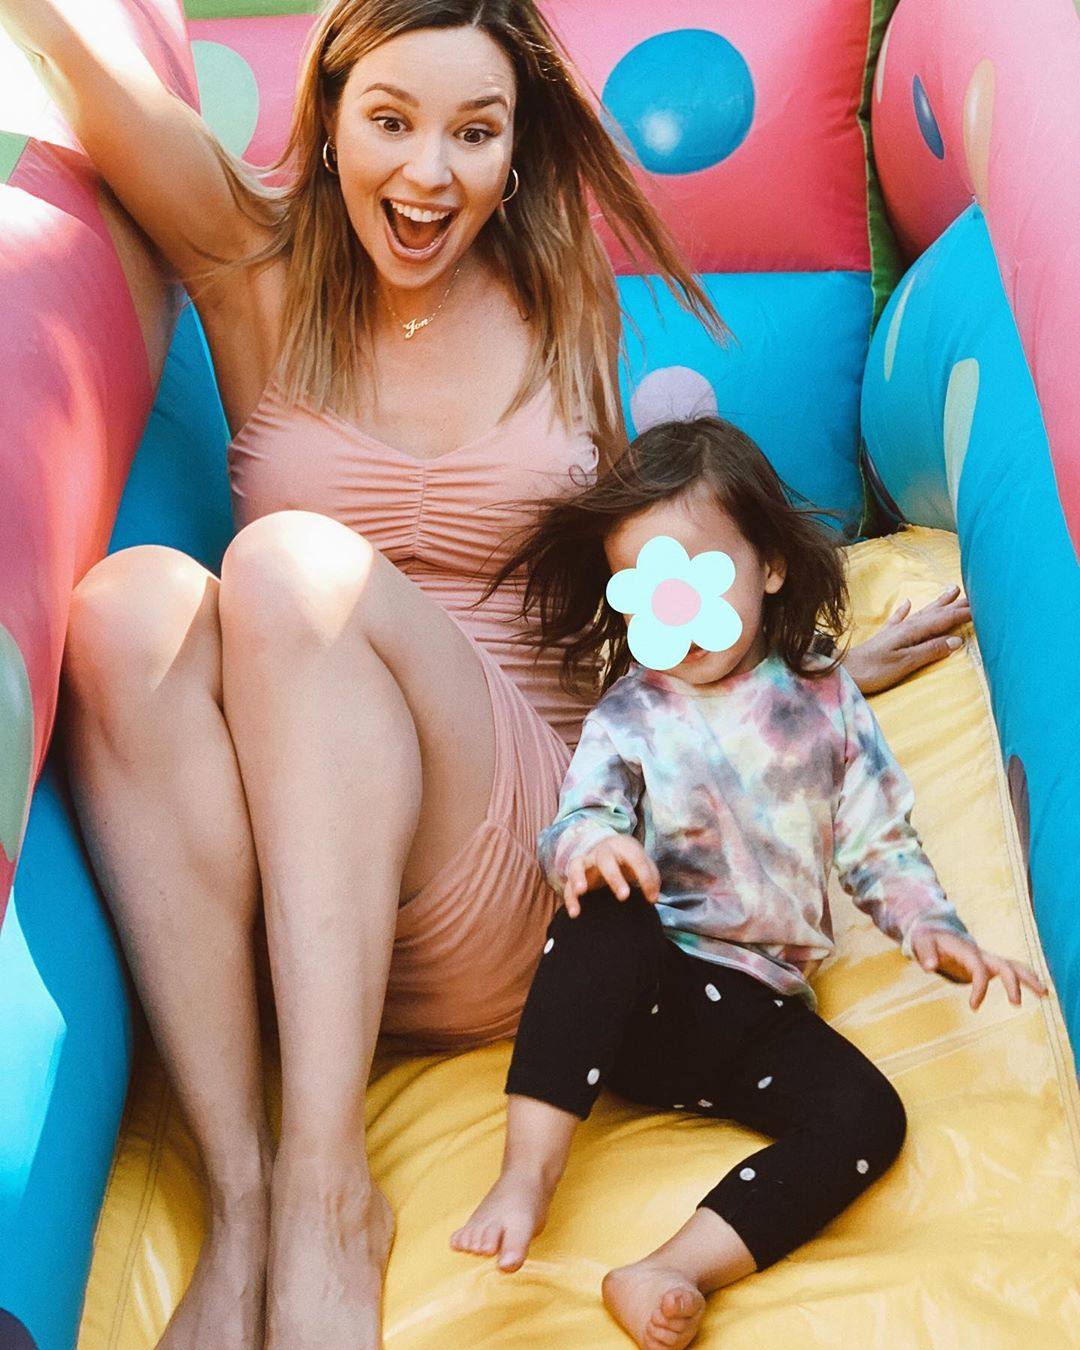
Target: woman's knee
x=292, y=576
x=133, y=617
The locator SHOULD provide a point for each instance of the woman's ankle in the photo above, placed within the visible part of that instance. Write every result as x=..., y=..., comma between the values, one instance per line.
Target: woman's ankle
x=239, y=1186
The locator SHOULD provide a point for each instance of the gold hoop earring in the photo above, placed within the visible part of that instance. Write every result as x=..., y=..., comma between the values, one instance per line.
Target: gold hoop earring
x=517, y=184
x=326, y=151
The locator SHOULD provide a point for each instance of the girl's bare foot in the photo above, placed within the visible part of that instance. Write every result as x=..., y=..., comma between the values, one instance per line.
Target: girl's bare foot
x=656, y=1305
x=223, y=1303
x=330, y=1237
x=508, y=1218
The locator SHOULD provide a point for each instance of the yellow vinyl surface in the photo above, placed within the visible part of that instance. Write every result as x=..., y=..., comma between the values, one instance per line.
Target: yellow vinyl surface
x=970, y=1242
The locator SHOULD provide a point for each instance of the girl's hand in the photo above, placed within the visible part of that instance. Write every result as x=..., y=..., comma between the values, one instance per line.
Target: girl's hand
x=906, y=642
x=613, y=861
x=964, y=962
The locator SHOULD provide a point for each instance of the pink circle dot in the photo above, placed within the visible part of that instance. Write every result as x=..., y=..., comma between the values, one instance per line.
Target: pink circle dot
x=675, y=602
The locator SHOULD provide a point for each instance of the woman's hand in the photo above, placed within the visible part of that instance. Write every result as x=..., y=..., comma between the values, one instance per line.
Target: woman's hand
x=963, y=961
x=906, y=642
x=613, y=861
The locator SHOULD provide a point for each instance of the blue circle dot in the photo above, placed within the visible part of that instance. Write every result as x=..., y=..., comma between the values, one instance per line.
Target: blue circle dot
x=924, y=115
x=685, y=99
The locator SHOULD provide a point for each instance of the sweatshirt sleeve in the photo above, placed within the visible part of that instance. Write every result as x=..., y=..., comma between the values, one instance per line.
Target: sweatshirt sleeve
x=877, y=852
x=599, y=797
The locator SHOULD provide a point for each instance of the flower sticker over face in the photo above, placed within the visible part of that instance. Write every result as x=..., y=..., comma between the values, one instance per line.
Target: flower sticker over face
x=675, y=600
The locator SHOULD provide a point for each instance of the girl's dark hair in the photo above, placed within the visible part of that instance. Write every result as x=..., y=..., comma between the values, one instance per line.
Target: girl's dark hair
x=566, y=571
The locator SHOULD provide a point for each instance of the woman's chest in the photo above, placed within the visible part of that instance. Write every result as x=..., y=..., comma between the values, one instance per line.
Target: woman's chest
x=460, y=510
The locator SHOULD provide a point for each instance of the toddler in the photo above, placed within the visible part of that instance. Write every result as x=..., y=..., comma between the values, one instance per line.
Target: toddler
x=700, y=815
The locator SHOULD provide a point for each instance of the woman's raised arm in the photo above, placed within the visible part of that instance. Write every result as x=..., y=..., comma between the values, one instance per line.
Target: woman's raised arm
x=156, y=153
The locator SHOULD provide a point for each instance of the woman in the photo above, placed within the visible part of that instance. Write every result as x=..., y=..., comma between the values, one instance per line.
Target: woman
x=330, y=735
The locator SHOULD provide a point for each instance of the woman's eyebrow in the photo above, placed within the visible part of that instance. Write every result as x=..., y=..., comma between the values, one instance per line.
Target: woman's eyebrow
x=484, y=101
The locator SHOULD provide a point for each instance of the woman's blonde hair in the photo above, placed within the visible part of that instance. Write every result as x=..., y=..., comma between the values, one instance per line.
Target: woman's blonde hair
x=542, y=239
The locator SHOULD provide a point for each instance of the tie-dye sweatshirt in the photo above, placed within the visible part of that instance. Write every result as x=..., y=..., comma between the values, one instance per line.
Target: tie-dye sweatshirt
x=744, y=795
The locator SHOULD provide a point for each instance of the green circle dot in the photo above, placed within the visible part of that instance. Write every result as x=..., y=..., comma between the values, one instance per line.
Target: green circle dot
x=228, y=94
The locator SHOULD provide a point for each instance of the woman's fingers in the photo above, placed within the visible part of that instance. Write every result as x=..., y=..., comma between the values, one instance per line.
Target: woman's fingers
x=936, y=620
x=934, y=649
x=899, y=612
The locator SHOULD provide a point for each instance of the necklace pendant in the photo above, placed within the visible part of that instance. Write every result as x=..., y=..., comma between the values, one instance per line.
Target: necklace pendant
x=414, y=326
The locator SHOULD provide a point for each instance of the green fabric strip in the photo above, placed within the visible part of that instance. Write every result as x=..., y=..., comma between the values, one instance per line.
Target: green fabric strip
x=245, y=9
x=886, y=264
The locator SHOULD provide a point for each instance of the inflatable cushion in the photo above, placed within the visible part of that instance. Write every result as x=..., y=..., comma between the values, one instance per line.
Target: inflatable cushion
x=971, y=1238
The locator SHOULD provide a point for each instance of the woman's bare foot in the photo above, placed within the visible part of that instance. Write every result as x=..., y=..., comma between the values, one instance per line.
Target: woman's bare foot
x=508, y=1218
x=331, y=1233
x=223, y=1303
x=656, y=1305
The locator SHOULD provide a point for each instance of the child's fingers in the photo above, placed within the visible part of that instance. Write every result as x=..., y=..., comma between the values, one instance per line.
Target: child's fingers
x=645, y=875
x=980, y=977
x=1008, y=977
x=925, y=949
x=575, y=884
x=612, y=873
x=1027, y=976
x=1023, y=975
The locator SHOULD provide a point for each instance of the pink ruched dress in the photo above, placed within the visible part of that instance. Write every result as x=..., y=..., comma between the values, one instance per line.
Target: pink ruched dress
x=467, y=943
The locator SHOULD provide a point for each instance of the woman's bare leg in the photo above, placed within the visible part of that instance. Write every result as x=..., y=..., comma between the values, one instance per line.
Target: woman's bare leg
x=159, y=797
x=365, y=740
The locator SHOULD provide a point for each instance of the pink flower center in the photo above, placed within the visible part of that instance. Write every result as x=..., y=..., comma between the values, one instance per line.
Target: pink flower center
x=675, y=602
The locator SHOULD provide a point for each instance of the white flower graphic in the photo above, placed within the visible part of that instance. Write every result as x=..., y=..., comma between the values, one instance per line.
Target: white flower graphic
x=675, y=600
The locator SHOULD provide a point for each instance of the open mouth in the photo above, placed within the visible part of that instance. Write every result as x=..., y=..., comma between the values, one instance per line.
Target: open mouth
x=416, y=231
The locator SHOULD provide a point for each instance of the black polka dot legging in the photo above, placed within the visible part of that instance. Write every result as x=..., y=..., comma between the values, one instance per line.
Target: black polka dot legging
x=615, y=1004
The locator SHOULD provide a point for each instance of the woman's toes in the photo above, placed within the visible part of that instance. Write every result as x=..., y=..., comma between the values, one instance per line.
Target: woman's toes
x=489, y=1241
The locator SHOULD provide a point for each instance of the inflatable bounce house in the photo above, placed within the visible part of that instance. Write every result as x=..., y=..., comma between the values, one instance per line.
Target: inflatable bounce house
x=882, y=199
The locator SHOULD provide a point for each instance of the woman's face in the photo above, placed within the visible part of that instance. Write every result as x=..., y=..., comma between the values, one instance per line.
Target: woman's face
x=699, y=523
x=425, y=128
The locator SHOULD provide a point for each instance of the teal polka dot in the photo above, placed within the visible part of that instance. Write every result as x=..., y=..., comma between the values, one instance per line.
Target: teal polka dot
x=960, y=399
x=892, y=337
x=228, y=94
x=16, y=743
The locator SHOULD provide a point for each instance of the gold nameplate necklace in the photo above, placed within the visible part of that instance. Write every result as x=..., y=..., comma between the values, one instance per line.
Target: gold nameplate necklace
x=413, y=326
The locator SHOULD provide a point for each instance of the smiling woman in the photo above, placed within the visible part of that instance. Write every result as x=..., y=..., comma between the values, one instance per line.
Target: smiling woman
x=348, y=740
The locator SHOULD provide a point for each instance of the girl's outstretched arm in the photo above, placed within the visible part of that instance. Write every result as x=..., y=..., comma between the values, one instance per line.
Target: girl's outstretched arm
x=877, y=852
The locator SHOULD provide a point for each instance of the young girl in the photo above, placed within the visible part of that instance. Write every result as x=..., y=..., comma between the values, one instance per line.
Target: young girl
x=702, y=810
